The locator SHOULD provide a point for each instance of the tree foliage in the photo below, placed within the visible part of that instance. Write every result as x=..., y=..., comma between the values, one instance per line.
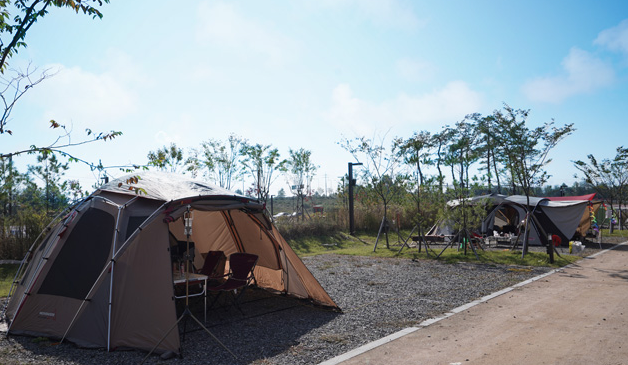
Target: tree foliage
x=380, y=173
x=16, y=18
x=300, y=171
x=218, y=161
x=609, y=177
x=262, y=162
x=167, y=158
x=526, y=151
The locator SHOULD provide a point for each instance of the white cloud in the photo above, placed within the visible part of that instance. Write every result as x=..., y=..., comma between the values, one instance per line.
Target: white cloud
x=83, y=99
x=616, y=38
x=447, y=105
x=222, y=24
x=415, y=70
x=584, y=73
x=389, y=13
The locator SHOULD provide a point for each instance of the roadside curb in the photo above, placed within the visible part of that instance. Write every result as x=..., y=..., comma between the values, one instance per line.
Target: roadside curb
x=406, y=331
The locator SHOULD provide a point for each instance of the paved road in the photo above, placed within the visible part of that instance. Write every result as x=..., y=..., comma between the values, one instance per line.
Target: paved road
x=578, y=315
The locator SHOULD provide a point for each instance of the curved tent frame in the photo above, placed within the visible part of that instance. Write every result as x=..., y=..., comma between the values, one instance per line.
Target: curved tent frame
x=121, y=266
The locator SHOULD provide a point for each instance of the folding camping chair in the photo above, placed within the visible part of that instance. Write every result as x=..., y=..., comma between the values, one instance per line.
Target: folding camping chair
x=240, y=276
x=214, y=267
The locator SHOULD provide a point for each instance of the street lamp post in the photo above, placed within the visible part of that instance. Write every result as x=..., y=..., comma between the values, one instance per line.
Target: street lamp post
x=352, y=182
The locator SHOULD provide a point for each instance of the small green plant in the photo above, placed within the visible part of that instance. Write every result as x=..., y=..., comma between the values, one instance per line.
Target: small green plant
x=334, y=338
x=40, y=340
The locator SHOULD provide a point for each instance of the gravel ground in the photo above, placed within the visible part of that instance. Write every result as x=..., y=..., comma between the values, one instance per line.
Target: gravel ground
x=378, y=297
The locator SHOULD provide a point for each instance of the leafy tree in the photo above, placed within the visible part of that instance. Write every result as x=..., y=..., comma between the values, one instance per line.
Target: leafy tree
x=439, y=141
x=261, y=162
x=167, y=158
x=527, y=151
x=13, y=28
x=463, y=149
x=281, y=193
x=218, y=160
x=16, y=18
x=488, y=149
x=608, y=177
x=49, y=171
x=415, y=151
x=9, y=180
x=300, y=171
x=24, y=204
x=378, y=172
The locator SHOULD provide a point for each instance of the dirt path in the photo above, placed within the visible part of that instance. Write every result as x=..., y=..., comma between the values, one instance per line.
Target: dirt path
x=578, y=315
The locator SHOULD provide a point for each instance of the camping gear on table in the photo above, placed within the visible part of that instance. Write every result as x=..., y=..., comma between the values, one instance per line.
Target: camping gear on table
x=505, y=215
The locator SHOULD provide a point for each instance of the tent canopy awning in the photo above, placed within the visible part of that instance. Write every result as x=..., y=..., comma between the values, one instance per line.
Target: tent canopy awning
x=587, y=197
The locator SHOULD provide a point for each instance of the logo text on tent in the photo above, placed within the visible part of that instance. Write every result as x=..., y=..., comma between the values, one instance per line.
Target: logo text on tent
x=48, y=315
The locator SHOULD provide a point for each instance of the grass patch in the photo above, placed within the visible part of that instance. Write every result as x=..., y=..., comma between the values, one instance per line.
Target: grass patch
x=364, y=243
x=616, y=233
x=7, y=274
x=334, y=338
x=316, y=245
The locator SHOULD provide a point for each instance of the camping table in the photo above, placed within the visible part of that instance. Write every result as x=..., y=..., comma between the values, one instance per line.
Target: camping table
x=179, y=278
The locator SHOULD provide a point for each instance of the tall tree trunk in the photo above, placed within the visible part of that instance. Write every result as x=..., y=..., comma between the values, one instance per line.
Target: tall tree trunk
x=488, y=162
x=440, y=173
x=499, y=186
x=418, y=192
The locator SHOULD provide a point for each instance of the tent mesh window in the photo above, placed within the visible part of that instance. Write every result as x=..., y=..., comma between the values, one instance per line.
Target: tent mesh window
x=134, y=223
x=39, y=250
x=82, y=257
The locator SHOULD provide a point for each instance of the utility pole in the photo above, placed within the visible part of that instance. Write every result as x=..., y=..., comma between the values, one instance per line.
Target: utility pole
x=352, y=182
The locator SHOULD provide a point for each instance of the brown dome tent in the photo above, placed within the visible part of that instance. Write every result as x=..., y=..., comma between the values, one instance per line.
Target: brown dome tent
x=102, y=276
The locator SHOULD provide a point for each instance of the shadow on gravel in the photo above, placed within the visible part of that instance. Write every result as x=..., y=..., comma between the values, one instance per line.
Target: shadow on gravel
x=271, y=325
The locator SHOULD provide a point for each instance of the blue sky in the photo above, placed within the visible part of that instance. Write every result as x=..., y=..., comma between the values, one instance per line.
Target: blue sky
x=304, y=74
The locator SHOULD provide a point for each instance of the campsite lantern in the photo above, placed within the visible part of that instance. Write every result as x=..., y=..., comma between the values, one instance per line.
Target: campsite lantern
x=188, y=218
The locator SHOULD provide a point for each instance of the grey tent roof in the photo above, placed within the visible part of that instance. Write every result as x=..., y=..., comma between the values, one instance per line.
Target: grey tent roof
x=164, y=186
x=497, y=199
x=534, y=201
x=494, y=199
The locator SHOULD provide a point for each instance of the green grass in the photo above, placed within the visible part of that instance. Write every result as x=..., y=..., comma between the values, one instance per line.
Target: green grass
x=616, y=233
x=7, y=274
x=363, y=246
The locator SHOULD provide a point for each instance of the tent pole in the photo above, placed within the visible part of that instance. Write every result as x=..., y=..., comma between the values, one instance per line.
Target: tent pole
x=187, y=224
x=381, y=227
x=113, y=264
